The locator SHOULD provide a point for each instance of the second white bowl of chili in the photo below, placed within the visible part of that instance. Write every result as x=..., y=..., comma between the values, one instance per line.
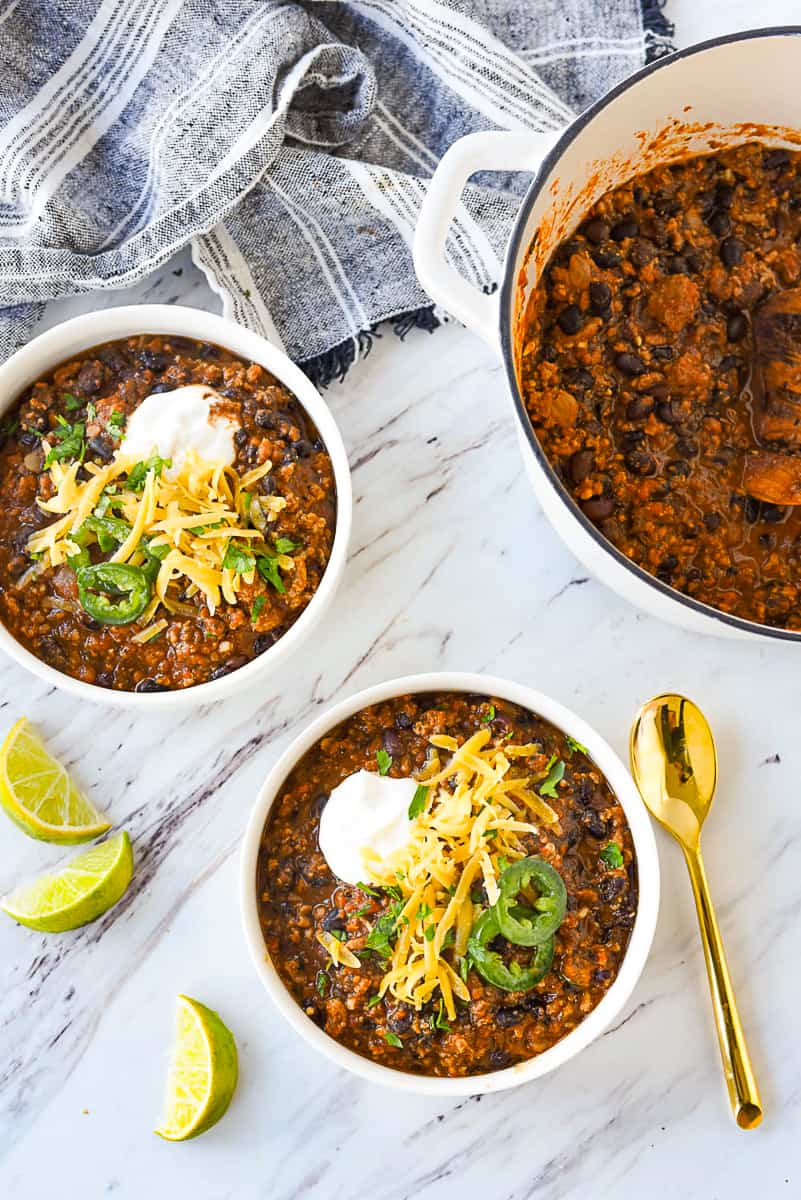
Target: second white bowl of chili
x=295, y=911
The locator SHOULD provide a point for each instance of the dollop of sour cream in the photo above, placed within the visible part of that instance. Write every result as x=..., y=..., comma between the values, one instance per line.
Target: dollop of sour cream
x=365, y=811
x=173, y=423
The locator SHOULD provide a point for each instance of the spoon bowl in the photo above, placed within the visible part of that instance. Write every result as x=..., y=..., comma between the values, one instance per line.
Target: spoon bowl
x=675, y=765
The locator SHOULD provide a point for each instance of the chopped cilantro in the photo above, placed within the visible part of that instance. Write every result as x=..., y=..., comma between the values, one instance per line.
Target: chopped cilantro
x=612, y=855
x=418, y=801
x=267, y=567
x=392, y=1039
x=503, y=863
x=258, y=605
x=361, y=911
x=91, y=411
x=384, y=761
x=247, y=500
x=321, y=982
x=69, y=441
x=71, y=402
x=429, y=932
x=371, y=1003
x=575, y=746
x=139, y=471
x=464, y=968
x=116, y=424
x=556, y=772
x=438, y=1019
x=393, y=891
x=285, y=545
x=9, y=427
x=238, y=559
x=489, y=715
x=490, y=833
x=339, y=934
x=367, y=890
x=423, y=911
x=379, y=937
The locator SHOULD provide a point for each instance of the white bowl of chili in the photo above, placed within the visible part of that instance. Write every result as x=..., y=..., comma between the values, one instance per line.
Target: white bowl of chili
x=68, y=341
x=471, y=689
x=720, y=94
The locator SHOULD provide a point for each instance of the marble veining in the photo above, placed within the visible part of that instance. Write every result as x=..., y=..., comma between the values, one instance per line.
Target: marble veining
x=452, y=565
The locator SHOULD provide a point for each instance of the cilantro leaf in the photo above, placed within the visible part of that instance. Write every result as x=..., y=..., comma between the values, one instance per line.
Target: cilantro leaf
x=267, y=567
x=371, y=1003
x=612, y=856
x=71, y=402
x=392, y=1039
x=139, y=471
x=380, y=936
x=238, y=559
x=69, y=442
x=285, y=545
x=258, y=605
x=418, y=801
x=384, y=761
x=489, y=715
x=575, y=746
x=91, y=411
x=321, y=982
x=438, y=1019
x=116, y=424
x=556, y=772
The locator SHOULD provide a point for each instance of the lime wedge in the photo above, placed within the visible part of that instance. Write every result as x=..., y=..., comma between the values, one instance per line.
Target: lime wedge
x=38, y=794
x=79, y=893
x=203, y=1072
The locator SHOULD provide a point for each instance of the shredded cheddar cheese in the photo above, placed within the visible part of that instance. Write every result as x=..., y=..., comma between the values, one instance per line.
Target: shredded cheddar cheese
x=187, y=519
x=475, y=814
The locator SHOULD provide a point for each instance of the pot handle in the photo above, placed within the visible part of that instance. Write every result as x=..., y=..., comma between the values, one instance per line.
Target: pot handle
x=488, y=150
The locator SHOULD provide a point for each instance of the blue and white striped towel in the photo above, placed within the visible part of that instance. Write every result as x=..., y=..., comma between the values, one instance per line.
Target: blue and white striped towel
x=288, y=142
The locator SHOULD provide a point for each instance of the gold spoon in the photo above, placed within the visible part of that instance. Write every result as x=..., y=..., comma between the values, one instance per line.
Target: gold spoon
x=674, y=764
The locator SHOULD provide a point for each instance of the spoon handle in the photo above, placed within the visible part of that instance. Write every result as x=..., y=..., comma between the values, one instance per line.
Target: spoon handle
x=743, y=1091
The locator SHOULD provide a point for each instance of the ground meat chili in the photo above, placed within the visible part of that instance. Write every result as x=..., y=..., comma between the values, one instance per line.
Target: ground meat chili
x=661, y=369
x=298, y=897
x=42, y=611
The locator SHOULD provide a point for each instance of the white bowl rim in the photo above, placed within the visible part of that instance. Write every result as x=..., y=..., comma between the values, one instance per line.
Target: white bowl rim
x=596, y=1022
x=57, y=344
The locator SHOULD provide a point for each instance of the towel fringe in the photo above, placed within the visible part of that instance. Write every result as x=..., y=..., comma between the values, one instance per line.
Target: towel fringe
x=658, y=30
x=334, y=364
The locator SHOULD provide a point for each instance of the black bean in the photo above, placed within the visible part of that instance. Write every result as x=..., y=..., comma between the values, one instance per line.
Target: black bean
x=736, y=327
x=403, y=720
x=640, y=462
x=263, y=642
x=602, y=975
x=218, y=672
x=400, y=1019
x=303, y=448
x=594, y=825
x=686, y=447
x=266, y=419
x=507, y=1017
x=724, y=196
x=581, y=464
x=610, y=887
x=28, y=437
x=720, y=223
x=776, y=158
x=598, y=508
x=391, y=742
x=102, y=447
x=606, y=258
x=333, y=920
x=153, y=360
x=208, y=350
x=772, y=512
x=90, y=378
x=627, y=228
x=639, y=408
x=669, y=564
x=751, y=510
x=678, y=265
x=677, y=468
x=596, y=231
x=150, y=685
x=319, y=802
x=268, y=485
x=157, y=388
x=731, y=251
x=600, y=297
x=642, y=252
x=290, y=456
x=629, y=364
x=667, y=411
x=570, y=319
x=499, y=1059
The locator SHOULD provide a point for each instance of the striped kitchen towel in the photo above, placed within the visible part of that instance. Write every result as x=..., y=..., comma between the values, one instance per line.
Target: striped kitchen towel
x=289, y=143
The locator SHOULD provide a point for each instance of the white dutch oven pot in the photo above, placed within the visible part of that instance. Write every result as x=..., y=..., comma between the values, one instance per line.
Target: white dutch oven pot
x=719, y=93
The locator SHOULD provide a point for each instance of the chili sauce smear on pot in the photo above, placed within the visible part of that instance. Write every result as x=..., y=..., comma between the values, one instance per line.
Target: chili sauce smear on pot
x=167, y=512
x=489, y=905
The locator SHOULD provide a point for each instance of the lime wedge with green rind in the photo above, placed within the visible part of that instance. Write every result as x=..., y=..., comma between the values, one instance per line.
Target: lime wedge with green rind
x=202, y=1075
x=80, y=892
x=38, y=794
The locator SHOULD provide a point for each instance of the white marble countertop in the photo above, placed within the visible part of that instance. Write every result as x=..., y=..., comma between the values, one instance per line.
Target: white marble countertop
x=452, y=565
